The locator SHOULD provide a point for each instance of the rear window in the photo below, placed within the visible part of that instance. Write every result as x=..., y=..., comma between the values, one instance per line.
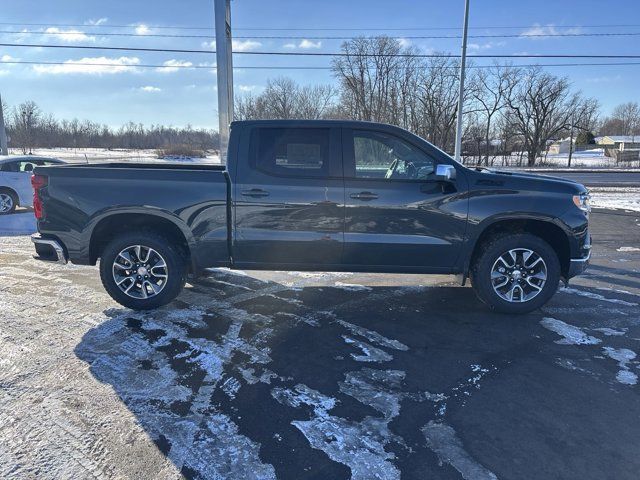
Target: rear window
x=299, y=152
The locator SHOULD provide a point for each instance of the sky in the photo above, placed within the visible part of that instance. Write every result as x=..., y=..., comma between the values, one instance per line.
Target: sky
x=164, y=94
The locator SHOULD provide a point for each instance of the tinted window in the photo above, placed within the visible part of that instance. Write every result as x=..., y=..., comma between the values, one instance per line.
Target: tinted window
x=9, y=167
x=293, y=151
x=379, y=155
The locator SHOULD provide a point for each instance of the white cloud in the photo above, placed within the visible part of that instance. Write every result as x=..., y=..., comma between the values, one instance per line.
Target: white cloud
x=69, y=35
x=8, y=58
x=247, y=88
x=484, y=46
x=236, y=45
x=244, y=45
x=99, y=21
x=91, y=66
x=539, y=32
x=304, y=44
x=142, y=29
x=309, y=44
x=404, y=43
x=151, y=89
x=173, y=66
x=605, y=79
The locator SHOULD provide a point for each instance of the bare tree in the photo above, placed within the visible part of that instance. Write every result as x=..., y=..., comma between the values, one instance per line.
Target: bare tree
x=26, y=117
x=490, y=90
x=543, y=106
x=625, y=120
x=284, y=98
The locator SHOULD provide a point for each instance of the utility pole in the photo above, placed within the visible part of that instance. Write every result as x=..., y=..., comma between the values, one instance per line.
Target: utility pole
x=3, y=132
x=224, y=72
x=463, y=62
x=570, y=143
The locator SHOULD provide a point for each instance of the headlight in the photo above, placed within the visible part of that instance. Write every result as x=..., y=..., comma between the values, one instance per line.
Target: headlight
x=582, y=201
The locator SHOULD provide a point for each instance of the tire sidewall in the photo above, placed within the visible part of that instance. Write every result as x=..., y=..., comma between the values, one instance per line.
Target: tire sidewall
x=481, y=273
x=14, y=200
x=176, y=267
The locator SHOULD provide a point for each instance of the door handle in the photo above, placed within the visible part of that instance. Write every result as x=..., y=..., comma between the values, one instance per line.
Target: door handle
x=254, y=192
x=366, y=196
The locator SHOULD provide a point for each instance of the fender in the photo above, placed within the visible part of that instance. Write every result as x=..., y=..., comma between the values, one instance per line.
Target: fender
x=141, y=212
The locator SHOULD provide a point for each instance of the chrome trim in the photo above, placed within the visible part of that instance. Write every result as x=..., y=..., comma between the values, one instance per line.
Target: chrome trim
x=53, y=244
x=580, y=260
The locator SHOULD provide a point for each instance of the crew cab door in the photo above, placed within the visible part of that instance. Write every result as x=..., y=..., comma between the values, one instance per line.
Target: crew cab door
x=398, y=216
x=289, y=198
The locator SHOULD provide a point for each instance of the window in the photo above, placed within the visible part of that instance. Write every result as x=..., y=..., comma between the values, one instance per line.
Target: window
x=9, y=167
x=293, y=151
x=379, y=155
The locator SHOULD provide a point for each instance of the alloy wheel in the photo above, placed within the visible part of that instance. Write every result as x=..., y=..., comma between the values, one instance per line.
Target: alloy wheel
x=140, y=272
x=518, y=275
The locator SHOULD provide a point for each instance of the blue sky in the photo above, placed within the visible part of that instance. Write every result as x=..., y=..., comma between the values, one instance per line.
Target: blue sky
x=115, y=95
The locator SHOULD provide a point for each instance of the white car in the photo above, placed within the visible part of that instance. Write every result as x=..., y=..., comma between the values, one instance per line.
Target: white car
x=15, y=180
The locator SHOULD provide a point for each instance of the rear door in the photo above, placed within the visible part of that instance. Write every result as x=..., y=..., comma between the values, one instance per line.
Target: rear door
x=289, y=198
x=397, y=215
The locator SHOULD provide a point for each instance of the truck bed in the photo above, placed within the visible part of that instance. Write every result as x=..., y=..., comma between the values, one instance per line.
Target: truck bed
x=81, y=202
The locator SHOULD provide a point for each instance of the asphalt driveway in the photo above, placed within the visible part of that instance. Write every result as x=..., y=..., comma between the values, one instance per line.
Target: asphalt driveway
x=324, y=376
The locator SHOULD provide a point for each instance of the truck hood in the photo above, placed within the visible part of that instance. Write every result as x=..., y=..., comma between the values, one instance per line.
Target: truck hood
x=531, y=180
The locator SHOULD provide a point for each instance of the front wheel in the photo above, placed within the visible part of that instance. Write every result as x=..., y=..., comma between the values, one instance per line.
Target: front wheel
x=516, y=273
x=142, y=271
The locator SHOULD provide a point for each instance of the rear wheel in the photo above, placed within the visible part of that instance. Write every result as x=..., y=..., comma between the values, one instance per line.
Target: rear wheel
x=8, y=202
x=142, y=271
x=516, y=273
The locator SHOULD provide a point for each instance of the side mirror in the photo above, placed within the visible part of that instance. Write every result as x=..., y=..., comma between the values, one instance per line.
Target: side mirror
x=445, y=173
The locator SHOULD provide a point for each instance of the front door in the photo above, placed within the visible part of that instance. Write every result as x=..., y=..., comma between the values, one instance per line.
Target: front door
x=397, y=215
x=289, y=199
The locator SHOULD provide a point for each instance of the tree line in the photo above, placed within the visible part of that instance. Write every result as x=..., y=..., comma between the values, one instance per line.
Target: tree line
x=28, y=128
x=506, y=108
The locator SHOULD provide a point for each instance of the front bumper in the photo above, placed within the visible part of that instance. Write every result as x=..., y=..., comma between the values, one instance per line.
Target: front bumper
x=579, y=265
x=49, y=249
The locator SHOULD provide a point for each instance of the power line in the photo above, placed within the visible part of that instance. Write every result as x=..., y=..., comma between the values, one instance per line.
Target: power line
x=280, y=67
x=313, y=54
x=334, y=37
x=315, y=29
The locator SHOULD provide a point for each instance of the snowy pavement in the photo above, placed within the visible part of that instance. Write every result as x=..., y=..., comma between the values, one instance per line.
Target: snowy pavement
x=258, y=375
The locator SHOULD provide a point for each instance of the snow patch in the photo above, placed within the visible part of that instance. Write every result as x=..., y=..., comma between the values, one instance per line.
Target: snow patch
x=628, y=249
x=443, y=441
x=352, y=287
x=373, y=337
x=571, y=334
x=610, y=332
x=597, y=296
x=358, y=445
x=623, y=356
x=370, y=353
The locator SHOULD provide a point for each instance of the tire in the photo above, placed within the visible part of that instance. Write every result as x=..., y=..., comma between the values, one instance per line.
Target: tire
x=524, y=277
x=8, y=202
x=142, y=294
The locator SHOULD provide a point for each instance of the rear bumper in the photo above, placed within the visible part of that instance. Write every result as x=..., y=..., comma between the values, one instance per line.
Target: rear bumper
x=49, y=249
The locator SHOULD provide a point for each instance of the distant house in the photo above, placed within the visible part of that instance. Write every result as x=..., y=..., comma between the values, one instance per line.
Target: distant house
x=619, y=142
x=559, y=147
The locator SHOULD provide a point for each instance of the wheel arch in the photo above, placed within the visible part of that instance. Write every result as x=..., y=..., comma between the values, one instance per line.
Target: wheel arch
x=544, y=228
x=109, y=226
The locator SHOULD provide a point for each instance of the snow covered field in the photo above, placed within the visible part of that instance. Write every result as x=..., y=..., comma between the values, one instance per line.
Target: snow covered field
x=94, y=155
x=585, y=159
x=616, y=198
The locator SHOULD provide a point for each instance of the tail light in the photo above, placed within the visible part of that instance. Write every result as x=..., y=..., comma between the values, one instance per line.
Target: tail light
x=38, y=182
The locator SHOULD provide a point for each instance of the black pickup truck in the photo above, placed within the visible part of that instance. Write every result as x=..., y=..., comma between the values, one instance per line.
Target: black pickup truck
x=318, y=196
